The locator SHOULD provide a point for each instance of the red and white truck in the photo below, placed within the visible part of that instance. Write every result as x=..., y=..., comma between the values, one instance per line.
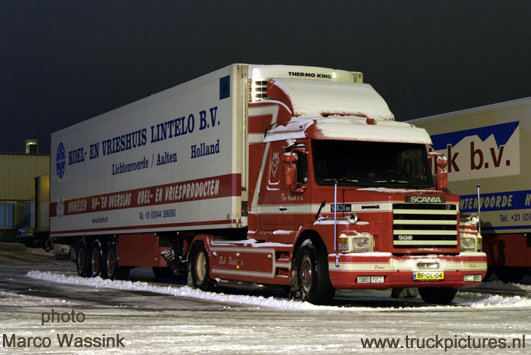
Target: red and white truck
x=263, y=175
x=487, y=146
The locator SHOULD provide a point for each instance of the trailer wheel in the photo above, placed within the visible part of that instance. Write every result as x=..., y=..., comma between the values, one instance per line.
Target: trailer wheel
x=199, y=266
x=111, y=269
x=96, y=259
x=437, y=295
x=313, y=278
x=82, y=259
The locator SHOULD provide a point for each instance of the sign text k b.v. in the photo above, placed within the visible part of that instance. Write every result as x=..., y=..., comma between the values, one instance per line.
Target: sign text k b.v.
x=484, y=152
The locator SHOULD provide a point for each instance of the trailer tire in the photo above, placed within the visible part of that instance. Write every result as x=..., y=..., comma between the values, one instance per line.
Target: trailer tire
x=313, y=278
x=111, y=269
x=437, y=295
x=82, y=259
x=199, y=268
x=96, y=259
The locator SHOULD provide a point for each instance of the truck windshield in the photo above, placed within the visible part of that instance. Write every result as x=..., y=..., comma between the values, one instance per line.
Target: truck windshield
x=371, y=164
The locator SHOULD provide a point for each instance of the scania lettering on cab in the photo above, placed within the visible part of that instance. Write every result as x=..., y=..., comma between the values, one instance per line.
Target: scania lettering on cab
x=488, y=146
x=263, y=175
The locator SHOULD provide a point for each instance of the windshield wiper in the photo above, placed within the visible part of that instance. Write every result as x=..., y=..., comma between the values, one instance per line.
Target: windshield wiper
x=392, y=181
x=340, y=180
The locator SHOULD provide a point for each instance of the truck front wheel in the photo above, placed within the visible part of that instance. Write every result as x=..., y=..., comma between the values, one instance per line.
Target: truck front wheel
x=199, y=276
x=437, y=295
x=82, y=259
x=313, y=278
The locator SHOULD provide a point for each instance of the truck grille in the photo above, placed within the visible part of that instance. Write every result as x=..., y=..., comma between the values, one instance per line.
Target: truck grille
x=424, y=225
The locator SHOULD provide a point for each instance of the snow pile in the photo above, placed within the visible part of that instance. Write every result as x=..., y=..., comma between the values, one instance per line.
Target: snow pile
x=501, y=301
x=462, y=300
x=185, y=291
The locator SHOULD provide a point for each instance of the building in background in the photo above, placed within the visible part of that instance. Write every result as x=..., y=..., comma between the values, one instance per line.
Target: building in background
x=17, y=173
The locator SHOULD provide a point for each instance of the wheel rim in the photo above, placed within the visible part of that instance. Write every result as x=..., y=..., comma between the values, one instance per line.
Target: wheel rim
x=200, y=266
x=81, y=259
x=110, y=262
x=306, y=273
x=95, y=261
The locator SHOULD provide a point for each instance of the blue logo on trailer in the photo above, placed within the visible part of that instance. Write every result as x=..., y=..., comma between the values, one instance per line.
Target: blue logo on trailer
x=60, y=160
x=502, y=133
x=224, y=87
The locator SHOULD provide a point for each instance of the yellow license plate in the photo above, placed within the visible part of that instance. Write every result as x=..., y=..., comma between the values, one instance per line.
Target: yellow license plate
x=428, y=275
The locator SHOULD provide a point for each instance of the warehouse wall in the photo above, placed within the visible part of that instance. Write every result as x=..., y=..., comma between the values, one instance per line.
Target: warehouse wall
x=16, y=178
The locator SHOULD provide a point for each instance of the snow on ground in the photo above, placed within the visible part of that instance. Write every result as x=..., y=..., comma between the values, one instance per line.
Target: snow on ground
x=463, y=299
x=12, y=247
x=178, y=291
x=268, y=326
x=17, y=300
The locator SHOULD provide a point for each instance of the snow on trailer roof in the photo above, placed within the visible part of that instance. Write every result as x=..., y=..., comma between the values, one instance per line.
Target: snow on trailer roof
x=316, y=98
x=338, y=110
x=349, y=128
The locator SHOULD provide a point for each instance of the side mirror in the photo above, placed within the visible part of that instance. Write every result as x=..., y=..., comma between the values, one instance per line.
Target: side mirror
x=290, y=157
x=442, y=173
x=290, y=170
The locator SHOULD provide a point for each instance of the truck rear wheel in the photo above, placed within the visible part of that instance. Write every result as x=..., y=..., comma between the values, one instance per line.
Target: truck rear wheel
x=111, y=269
x=199, y=268
x=82, y=259
x=437, y=295
x=96, y=259
x=313, y=277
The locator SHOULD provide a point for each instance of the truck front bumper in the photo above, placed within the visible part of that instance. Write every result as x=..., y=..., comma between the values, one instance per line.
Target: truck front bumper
x=383, y=270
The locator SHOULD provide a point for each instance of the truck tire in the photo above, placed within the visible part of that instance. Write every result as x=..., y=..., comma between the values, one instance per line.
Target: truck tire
x=199, y=268
x=111, y=269
x=82, y=259
x=313, y=277
x=96, y=259
x=437, y=295
x=510, y=274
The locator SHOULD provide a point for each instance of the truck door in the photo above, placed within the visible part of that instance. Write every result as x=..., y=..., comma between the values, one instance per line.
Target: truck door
x=284, y=209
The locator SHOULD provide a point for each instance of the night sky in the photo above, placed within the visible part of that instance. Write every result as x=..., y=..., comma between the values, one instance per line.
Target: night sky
x=62, y=62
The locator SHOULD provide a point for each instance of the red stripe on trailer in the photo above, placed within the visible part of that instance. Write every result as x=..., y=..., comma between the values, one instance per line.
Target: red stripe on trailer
x=191, y=190
x=155, y=226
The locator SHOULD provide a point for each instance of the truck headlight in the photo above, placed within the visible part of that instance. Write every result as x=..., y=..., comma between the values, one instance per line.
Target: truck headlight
x=357, y=243
x=361, y=243
x=468, y=243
